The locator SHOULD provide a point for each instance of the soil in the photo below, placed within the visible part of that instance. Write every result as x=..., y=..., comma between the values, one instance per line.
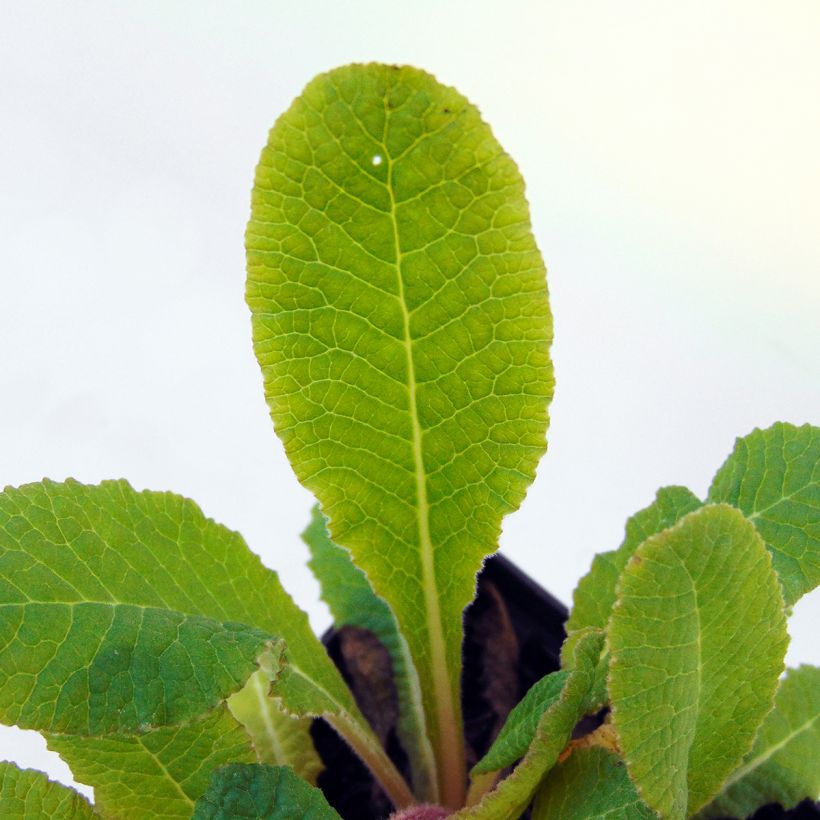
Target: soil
x=513, y=633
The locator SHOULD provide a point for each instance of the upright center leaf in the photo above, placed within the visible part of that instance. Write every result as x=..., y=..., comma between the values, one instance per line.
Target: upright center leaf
x=401, y=320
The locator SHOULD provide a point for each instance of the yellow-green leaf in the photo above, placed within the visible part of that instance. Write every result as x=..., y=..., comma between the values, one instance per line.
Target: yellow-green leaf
x=696, y=639
x=278, y=738
x=401, y=321
x=352, y=602
x=26, y=794
x=773, y=476
x=158, y=775
x=592, y=784
x=782, y=766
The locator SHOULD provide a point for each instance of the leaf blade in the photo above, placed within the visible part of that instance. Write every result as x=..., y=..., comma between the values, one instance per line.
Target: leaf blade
x=401, y=322
x=594, y=596
x=159, y=774
x=782, y=765
x=352, y=602
x=277, y=737
x=264, y=792
x=512, y=796
x=773, y=476
x=590, y=784
x=687, y=700
x=26, y=793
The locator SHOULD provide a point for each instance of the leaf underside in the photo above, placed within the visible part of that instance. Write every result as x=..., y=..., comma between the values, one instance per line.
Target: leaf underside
x=782, y=766
x=263, y=792
x=26, y=793
x=159, y=774
x=277, y=737
x=696, y=641
x=773, y=476
x=592, y=784
x=400, y=318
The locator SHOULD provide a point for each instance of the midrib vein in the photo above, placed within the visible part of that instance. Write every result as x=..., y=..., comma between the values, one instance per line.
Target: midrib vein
x=446, y=731
x=760, y=759
x=264, y=711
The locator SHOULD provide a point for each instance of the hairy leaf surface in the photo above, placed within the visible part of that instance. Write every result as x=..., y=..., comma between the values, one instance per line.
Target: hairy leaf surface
x=773, y=476
x=514, y=793
x=783, y=764
x=263, y=792
x=64, y=546
x=519, y=729
x=594, y=596
x=696, y=640
x=352, y=602
x=400, y=317
x=26, y=793
x=277, y=737
x=159, y=774
x=592, y=784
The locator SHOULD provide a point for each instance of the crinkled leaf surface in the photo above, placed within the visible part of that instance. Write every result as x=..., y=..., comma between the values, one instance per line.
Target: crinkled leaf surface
x=159, y=774
x=773, y=476
x=592, y=784
x=696, y=640
x=519, y=729
x=26, y=793
x=514, y=793
x=594, y=596
x=352, y=602
x=400, y=317
x=278, y=738
x=783, y=766
x=68, y=545
x=263, y=792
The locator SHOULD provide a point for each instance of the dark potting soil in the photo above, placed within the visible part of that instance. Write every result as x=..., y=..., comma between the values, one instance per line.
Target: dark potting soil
x=513, y=633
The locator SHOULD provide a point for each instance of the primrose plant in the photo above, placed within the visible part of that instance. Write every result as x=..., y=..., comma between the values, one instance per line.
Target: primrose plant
x=401, y=321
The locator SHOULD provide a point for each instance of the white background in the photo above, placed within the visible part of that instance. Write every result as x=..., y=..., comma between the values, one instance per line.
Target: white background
x=672, y=157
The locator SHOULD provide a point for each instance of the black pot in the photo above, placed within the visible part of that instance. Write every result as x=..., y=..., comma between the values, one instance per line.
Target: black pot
x=513, y=633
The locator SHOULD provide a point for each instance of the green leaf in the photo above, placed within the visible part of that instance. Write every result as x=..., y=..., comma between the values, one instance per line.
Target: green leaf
x=401, y=321
x=519, y=729
x=263, y=792
x=595, y=594
x=591, y=784
x=352, y=602
x=25, y=793
x=159, y=774
x=514, y=793
x=277, y=737
x=782, y=766
x=65, y=546
x=773, y=476
x=696, y=640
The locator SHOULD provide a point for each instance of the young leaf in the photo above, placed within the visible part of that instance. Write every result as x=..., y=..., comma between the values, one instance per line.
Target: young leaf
x=595, y=594
x=263, y=792
x=514, y=793
x=159, y=774
x=400, y=317
x=519, y=729
x=773, y=476
x=66, y=546
x=352, y=601
x=696, y=640
x=277, y=737
x=25, y=793
x=589, y=785
x=783, y=764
